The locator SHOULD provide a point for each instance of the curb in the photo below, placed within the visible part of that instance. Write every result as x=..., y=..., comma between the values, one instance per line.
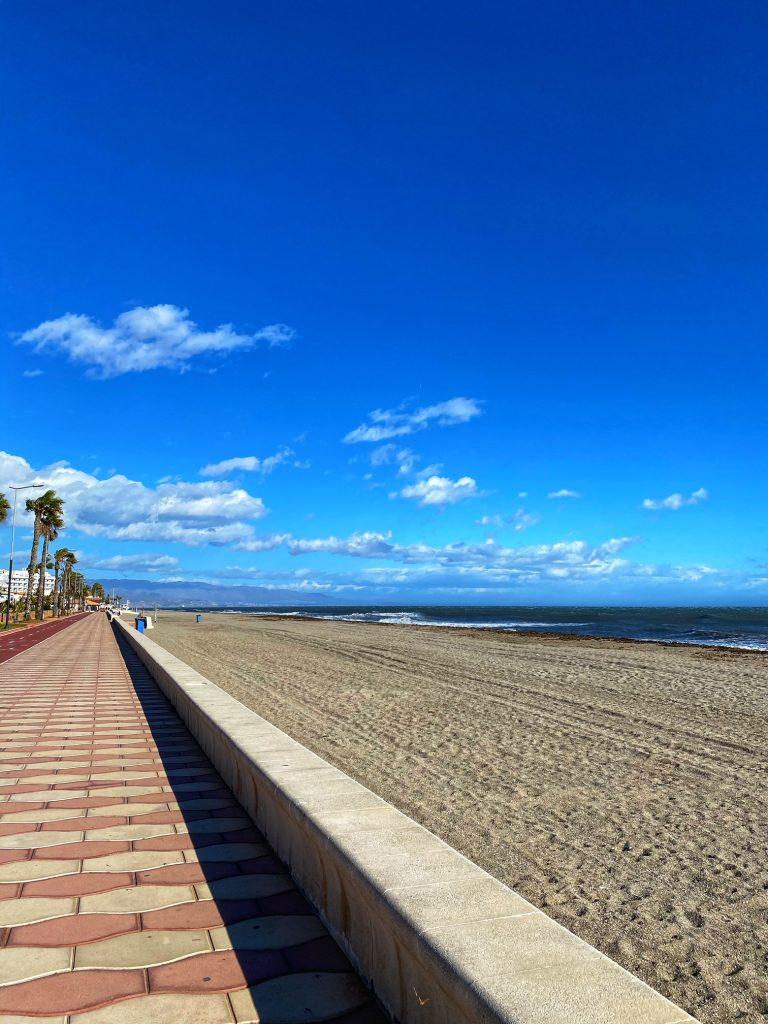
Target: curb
x=439, y=940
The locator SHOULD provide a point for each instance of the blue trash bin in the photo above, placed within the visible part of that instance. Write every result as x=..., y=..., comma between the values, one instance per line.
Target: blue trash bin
x=199, y=618
x=141, y=625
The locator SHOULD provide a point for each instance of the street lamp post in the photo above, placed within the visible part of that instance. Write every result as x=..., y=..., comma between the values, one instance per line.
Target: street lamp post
x=25, y=487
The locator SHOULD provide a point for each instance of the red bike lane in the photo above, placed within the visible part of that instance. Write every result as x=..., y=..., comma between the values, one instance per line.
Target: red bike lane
x=17, y=640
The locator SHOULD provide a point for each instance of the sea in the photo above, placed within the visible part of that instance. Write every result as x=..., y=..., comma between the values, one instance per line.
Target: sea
x=723, y=627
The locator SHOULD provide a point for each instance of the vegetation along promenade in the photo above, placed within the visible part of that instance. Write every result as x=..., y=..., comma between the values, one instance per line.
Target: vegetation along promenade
x=49, y=586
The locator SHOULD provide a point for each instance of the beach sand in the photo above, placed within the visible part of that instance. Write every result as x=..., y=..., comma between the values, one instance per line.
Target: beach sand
x=620, y=786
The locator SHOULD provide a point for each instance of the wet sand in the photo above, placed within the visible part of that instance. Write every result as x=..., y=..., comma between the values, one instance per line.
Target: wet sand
x=620, y=786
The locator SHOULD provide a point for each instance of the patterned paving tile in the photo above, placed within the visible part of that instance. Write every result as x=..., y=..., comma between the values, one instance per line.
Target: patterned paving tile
x=133, y=888
x=162, y=1009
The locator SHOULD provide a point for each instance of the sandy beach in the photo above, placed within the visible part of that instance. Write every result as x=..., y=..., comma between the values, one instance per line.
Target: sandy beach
x=620, y=786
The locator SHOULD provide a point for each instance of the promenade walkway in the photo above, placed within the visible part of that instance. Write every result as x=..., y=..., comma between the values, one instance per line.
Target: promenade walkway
x=133, y=888
x=17, y=640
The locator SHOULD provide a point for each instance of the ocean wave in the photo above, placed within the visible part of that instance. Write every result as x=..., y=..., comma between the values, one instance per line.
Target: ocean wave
x=403, y=618
x=745, y=629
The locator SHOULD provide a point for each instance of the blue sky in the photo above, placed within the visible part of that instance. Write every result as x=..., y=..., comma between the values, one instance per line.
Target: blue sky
x=465, y=259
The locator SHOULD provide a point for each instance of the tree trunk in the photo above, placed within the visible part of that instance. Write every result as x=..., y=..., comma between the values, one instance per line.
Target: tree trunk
x=32, y=565
x=55, y=591
x=41, y=579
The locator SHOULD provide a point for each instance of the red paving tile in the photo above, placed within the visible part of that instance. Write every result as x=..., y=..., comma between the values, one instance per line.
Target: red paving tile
x=11, y=856
x=203, y=914
x=10, y=828
x=78, y=885
x=81, y=824
x=73, y=992
x=218, y=972
x=73, y=930
x=159, y=818
x=81, y=851
x=85, y=803
x=175, y=842
x=68, y=707
x=17, y=640
x=186, y=874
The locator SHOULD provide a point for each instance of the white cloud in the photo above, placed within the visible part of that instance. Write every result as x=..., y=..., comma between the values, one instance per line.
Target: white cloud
x=144, y=338
x=489, y=521
x=440, y=490
x=491, y=562
x=403, y=458
x=32, y=373
x=386, y=423
x=676, y=501
x=616, y=544
x=522, y=520
x=358, y=545
x=563, y=493
x=251, y=464
x=383, y=455
x=135, y=563
x=519, y=520
x=270, y=543
x=211, y=512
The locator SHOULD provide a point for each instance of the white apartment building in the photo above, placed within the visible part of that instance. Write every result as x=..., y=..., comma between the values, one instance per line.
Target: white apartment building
x=19, y=583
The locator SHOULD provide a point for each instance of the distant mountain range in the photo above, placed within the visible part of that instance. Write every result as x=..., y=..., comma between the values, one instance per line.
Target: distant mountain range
x=202, y=595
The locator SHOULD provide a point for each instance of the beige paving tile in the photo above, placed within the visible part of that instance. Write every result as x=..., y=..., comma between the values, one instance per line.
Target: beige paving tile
x=33, y=908
x=226, y=852
x=126, y=810
x=136, y=900
x=140, y=751
x=205, y=803
x=129, y=773
x=196, y=787
x=141, y=949
x=268, y=932
x=48, y=795
x=295, y=998
x=53, y=779
x=161, y=1009
x=216, y=825
x=133, y=790
x=23, y=964
x=134, y=860
x=117, y=832
x=45, y=814
x=244, y=887
x=47, y=766
x=38, y=840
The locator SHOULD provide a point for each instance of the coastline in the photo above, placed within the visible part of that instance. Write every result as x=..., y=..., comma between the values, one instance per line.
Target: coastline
x=475, y=631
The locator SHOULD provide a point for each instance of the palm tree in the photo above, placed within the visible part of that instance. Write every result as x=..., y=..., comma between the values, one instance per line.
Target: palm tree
x=70, y=559
x=58, y=577
x=79, y=590
x=36, y=506
x=5, y=508
x=51, y=521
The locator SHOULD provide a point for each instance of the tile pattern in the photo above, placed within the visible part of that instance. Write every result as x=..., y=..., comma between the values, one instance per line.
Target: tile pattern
x=133, y=887
x=17, y=640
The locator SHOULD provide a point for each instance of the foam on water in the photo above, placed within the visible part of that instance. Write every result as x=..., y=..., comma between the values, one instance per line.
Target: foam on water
x=745, y=628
